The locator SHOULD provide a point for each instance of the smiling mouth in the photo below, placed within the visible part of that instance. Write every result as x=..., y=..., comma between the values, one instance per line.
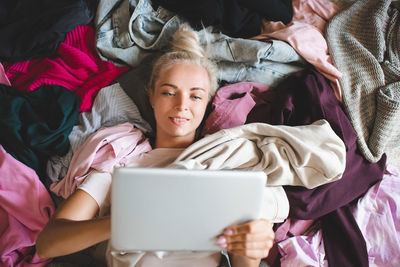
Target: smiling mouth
x=178, y=120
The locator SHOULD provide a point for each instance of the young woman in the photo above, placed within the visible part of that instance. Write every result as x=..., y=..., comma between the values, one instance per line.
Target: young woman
x=182, y=84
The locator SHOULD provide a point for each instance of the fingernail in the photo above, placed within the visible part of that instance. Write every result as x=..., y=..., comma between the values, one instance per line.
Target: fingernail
x=228, y=232
x=223, y=245
x=221, y=240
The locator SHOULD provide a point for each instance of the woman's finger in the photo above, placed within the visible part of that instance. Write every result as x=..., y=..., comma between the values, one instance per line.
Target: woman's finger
x=260, y=245
x=255, y=226
x=250, y=237
x=253, y=254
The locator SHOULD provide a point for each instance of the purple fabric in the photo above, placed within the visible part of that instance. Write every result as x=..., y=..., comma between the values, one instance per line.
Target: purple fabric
x=232, y=103
x=378, y=216
x=301, y=99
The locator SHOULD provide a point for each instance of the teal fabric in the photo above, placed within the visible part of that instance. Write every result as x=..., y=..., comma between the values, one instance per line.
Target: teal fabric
x=36, y=125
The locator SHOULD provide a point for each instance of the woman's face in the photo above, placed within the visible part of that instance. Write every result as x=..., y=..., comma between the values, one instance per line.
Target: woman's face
x=179, y=100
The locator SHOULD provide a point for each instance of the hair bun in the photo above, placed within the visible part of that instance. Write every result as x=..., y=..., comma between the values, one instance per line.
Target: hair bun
x=186, y=40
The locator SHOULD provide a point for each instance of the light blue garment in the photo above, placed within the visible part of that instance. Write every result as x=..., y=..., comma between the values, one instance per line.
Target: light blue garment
x=241, y=60
x=128, y=31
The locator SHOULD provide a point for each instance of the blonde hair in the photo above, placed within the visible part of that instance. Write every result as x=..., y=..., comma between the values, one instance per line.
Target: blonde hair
x=185, y=48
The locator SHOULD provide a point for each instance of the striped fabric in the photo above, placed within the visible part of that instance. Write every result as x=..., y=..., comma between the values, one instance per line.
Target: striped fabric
x=364, y=45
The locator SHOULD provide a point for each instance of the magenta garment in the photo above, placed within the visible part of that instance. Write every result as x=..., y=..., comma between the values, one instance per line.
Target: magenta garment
x=75, y=66
x=231, y=105
x=3, y=76
x=102, y=150
x=25, y=208
x=292, y=227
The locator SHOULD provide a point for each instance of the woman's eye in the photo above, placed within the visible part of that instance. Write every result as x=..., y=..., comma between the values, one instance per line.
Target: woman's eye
x=196, y=97
x=167, y=93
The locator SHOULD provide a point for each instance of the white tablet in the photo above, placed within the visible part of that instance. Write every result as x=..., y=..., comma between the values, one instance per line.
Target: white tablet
x=155, y=209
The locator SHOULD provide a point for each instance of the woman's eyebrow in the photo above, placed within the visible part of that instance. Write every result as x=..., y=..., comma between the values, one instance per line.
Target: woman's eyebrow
x=197, y=88
x=176, y=87
x=171, y=85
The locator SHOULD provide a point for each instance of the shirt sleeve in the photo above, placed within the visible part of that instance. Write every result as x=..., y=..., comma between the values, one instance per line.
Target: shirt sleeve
x=97, y=185
x=275, y=206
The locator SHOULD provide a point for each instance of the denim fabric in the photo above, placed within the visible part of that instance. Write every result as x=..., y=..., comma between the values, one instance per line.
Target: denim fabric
x=242, y=60
x=128, y=37
x=267, y=73
x=127, y=31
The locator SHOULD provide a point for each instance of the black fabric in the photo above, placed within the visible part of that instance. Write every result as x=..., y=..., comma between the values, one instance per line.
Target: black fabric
x=301, y=99
x=35, y=125
x=236, y=18
x=275, y=10
x=31, y=29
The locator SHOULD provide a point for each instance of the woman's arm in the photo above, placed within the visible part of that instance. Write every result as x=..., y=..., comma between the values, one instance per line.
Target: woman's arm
x=73, y=227
x=248, y=243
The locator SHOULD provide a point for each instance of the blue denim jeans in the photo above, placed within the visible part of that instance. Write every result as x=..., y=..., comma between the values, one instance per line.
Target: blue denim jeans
x=128, y=31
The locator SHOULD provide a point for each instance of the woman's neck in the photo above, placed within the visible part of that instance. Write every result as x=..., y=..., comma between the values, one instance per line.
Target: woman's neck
x=177, y=142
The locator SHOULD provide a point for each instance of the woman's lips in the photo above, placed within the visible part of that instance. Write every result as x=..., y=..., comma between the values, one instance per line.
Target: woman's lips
x=178, y=120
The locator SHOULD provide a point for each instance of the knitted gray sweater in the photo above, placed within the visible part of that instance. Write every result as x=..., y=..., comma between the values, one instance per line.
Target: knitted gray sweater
x=364, y=45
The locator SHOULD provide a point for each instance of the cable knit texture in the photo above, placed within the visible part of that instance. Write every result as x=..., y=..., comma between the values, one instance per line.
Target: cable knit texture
x=364, y=47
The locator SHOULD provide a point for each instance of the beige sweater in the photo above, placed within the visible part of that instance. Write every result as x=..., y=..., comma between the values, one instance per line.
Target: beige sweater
x=306, y=156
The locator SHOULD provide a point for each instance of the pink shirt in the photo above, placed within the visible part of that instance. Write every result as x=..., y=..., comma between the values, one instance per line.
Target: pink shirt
x=25, y=208
x=305, y=33
x=102, y=150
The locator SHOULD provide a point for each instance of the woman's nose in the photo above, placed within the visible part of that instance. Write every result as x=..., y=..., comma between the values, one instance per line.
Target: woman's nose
x=181, y=102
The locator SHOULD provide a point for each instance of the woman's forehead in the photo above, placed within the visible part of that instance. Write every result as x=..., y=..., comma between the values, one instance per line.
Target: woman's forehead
x=184, y=75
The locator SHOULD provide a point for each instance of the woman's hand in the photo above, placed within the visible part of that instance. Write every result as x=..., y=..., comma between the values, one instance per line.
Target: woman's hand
x=252, y=240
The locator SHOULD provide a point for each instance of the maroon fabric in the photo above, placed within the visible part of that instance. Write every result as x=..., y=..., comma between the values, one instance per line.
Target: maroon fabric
x=301, y=99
